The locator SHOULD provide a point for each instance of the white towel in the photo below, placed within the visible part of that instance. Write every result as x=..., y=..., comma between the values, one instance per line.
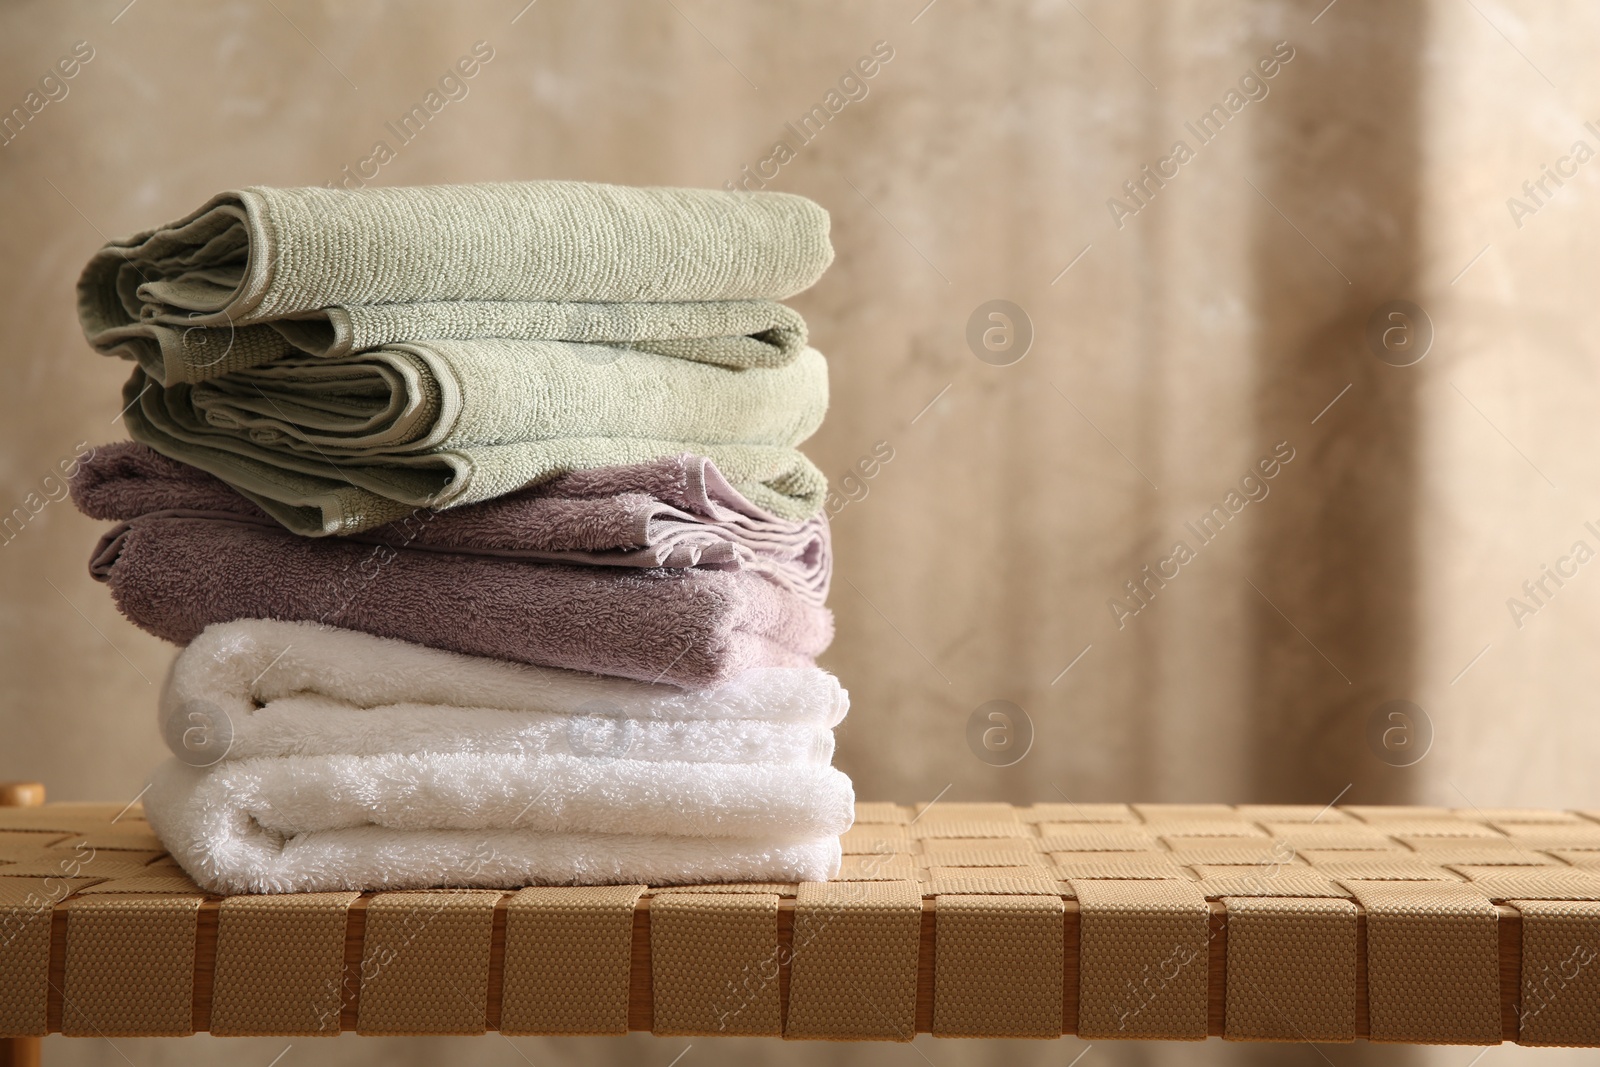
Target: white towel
x=259, y=687
x=313, y=758
x=550, y=794
x=310, y=725
x=316, y=824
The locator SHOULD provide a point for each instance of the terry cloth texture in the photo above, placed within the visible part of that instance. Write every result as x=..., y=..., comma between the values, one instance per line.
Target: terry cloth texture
x=674, y=512
x=321, y=824
x=728, y=333
x=340, y=445
x=261, y=253
x=258, y=688
x=176, y=575
x=334, y=353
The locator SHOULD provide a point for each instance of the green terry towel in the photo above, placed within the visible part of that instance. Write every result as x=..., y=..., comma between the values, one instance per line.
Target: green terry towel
x=263, y=274
x=729, y=333
x=341, y=444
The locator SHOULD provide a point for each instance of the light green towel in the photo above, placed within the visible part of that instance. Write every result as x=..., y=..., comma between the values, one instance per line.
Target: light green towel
x=342, y=444
x=697, y=269
x=729, y=333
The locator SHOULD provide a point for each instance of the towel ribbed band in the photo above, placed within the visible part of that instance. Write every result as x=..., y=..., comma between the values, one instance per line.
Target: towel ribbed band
x=1433, y=968
x=1291, y=969
x=280, y=964
x=715, y=963
x=1560, y=972
x=1142, y=959
x=130, y=966
x=997, y=966
x=853, y=961
x=25, y=909
x=568, y=955
x=425, y=962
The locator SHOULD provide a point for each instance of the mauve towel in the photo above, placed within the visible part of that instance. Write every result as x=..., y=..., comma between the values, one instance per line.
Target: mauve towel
x=174, y=574
x=676, y=511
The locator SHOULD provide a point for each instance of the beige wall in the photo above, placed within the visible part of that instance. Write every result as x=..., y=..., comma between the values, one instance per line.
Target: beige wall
x=1183, y=346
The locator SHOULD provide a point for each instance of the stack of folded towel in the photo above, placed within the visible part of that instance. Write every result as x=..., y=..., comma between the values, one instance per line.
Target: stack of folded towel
x=480, y=513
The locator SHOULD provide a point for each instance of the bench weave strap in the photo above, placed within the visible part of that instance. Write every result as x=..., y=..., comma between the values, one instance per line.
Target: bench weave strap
x=1250, y=922
x=130, y=966
x=568, y=951
x=853, y=965
x=280, y=964
x=425, y=964
x=25, y=907
x=1433, y=965
x=997, y=966
x=1291, y=969
x=1560, y=972
x=715, y=963
x=1142, y=951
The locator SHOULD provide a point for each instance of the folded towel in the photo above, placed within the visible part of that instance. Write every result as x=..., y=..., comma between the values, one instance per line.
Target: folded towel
x=258, y=687
x=260, y=253
x=175, y=574
x=342, y=445
x=244, y=827
x=676, y=511
x=265, y=274
x=289, y=795
x=729, y=333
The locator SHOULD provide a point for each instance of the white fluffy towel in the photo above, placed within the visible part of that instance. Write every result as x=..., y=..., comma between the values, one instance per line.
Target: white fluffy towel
x=265, y=688
x=312, y=758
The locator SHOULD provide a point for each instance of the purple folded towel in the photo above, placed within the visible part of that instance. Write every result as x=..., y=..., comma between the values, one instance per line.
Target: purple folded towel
x=202, y=554
x=176, y=574
x=677, y=511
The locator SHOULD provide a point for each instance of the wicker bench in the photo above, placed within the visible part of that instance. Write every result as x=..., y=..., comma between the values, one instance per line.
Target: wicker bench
x=1269, y=922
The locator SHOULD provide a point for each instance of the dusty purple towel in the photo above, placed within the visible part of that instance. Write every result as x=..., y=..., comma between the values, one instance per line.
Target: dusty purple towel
x=678, y=512
x=174, y=574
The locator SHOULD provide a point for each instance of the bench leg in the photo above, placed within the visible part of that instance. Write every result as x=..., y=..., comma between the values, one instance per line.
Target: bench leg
x=20, y=1051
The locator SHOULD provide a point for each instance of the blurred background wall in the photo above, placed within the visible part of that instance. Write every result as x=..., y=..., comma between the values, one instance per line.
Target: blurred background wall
x=1221, y=317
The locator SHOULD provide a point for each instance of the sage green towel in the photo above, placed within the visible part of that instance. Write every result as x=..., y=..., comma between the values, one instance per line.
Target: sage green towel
x=699, y=269
x=729, y=333
x=342, y=444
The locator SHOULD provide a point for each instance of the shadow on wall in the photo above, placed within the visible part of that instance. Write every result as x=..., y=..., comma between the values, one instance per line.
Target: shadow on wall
x=1339, y=157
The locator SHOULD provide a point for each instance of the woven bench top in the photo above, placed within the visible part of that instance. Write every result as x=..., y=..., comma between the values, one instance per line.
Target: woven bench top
x=1175, y=921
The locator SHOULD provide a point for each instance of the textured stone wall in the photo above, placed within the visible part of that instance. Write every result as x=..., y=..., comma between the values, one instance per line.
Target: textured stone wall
x=1186, y=337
